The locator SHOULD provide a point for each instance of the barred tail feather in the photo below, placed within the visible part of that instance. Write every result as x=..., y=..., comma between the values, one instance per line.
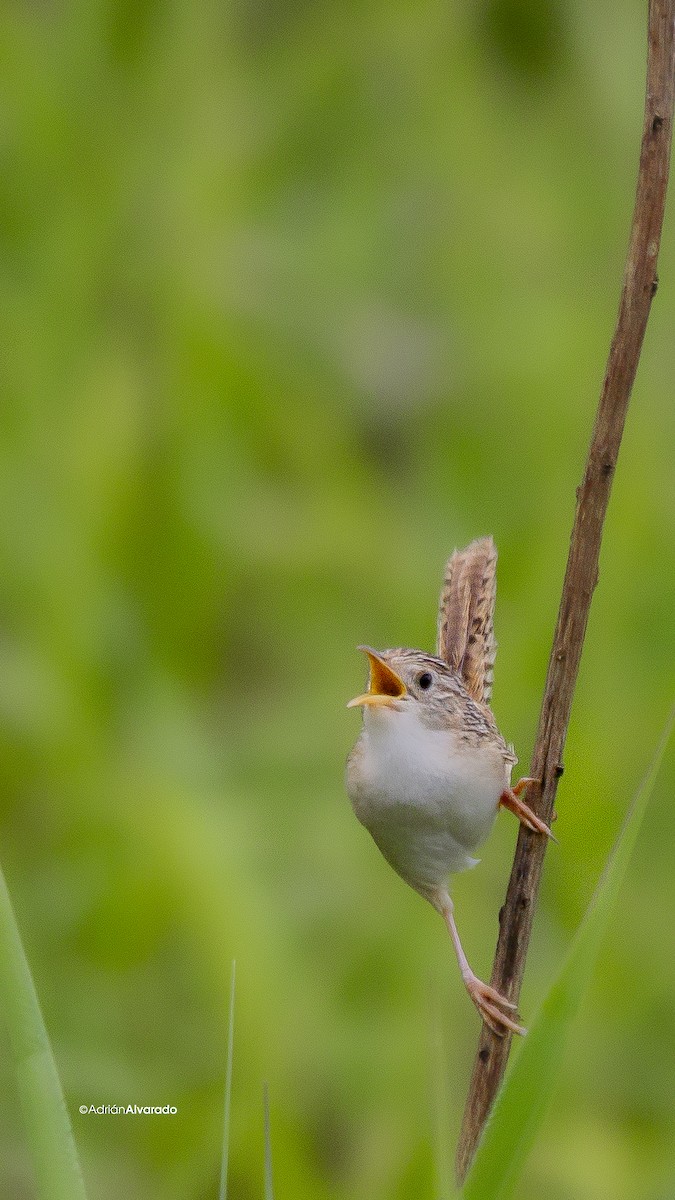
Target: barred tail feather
x=466, y=638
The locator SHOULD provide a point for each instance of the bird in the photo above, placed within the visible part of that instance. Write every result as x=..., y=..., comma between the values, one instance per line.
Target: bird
x=430, y=769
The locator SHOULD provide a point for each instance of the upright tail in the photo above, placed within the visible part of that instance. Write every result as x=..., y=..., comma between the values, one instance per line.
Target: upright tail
x=466, y=639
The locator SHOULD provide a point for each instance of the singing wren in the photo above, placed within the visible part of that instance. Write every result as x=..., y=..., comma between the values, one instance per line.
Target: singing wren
x=430, y=768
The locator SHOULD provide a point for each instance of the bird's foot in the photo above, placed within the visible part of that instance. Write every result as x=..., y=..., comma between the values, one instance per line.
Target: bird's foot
x=510, y=798
x=523, y=784
x=491, y=1004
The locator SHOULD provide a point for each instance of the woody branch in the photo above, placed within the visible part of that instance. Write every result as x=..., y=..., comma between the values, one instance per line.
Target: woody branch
x=639, y=286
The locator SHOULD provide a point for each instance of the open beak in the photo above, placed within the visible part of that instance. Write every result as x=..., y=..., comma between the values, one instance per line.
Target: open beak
x=385, y=687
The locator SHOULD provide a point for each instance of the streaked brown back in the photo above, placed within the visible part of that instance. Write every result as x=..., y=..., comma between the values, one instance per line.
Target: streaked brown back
x=466, y=639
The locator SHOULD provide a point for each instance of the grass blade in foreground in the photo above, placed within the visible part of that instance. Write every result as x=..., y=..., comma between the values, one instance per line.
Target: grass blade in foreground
x=521, y=1103
x=222, y=1194
x=49, y=1134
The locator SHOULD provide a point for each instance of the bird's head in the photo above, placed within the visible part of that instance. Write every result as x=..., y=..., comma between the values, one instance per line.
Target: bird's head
x=403, y=678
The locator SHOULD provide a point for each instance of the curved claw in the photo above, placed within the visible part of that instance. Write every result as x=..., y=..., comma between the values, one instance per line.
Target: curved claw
x=510, y=798
x=490, y=1004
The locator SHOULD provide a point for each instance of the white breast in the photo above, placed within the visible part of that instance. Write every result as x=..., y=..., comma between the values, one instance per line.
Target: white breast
x=427, y=797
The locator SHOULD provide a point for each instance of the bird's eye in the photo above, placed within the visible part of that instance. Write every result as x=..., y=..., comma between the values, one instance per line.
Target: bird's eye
x=425, y=680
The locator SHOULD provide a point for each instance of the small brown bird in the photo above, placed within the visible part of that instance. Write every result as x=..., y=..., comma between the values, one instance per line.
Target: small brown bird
x=430, y=769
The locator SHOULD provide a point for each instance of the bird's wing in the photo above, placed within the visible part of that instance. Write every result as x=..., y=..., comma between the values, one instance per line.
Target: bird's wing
x=466, y=639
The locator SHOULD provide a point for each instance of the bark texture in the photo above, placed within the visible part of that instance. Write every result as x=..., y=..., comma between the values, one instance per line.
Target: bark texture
x=639, y=287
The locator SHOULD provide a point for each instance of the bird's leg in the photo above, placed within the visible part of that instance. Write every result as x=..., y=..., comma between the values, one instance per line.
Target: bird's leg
x=488, y=1000
x=510, y=798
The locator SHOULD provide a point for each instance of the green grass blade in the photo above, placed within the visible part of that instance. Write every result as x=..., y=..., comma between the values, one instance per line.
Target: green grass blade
x=269, y=1189
x=222, y=1194
x=49, y=1134
x=521, y=1103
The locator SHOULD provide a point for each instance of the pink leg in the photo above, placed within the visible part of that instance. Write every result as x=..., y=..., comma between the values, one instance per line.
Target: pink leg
x=510, y=798
x=488, y=1001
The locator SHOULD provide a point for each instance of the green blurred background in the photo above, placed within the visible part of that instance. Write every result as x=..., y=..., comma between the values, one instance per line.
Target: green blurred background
x=295, y=298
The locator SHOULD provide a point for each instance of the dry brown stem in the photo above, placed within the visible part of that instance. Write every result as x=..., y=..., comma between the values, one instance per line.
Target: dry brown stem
x=639, y=287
